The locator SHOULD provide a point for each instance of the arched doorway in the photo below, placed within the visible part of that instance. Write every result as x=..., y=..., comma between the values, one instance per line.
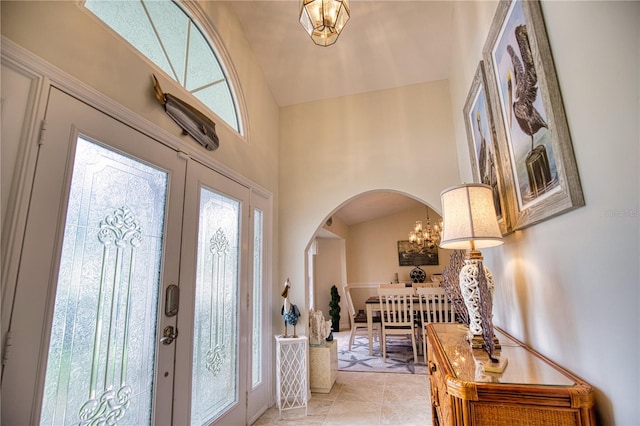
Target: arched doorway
x=358, y=244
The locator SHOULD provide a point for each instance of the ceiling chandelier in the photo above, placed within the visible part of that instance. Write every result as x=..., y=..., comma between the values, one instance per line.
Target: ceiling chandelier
x=324, y=20
x=424, y=236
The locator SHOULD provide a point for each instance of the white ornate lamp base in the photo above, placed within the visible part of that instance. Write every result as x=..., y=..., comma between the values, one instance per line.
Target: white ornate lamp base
x=471, y=295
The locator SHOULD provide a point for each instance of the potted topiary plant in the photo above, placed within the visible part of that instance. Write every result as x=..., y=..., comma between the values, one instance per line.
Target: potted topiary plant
x=334, y=309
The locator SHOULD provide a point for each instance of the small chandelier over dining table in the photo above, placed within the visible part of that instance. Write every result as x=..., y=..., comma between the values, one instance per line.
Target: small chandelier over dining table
x=424, y=236
x=324, y=20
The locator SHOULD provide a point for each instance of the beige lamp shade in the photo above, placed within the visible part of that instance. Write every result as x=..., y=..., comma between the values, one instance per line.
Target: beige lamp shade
x=469, y=215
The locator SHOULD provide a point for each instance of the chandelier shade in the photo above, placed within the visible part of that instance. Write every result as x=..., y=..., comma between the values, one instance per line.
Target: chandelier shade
x=324, y=20
x=469, y=218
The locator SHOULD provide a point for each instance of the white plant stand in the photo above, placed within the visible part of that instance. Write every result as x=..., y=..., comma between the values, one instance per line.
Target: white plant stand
x=291, y=373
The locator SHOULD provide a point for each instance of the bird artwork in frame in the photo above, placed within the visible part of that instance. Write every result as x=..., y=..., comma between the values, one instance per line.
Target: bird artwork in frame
x=483, y=145
x=538, y=166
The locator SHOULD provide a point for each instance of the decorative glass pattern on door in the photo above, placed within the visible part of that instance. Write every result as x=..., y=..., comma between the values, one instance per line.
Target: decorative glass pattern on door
x=256, y=343
x=102, y=348
x=215, y=368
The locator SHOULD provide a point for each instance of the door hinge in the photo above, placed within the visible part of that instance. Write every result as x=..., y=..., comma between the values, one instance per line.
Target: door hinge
x=6, y=349
x=43, y=129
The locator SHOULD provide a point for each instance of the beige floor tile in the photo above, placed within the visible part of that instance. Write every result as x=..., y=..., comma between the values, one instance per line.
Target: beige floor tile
x=351, y=377
x=406, y=391
x=353, y=413
x=267, y=417
x=405, y=414
x=371, y=399
x=297, y=417
x=331, y=396
x=359, y=393
x=262, y=421
x=319, y=407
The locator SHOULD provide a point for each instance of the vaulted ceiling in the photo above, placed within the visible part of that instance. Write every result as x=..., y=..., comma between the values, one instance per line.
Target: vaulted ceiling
x=385, y=44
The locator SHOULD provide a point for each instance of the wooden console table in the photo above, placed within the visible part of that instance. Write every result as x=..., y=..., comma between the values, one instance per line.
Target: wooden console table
x=531, y=390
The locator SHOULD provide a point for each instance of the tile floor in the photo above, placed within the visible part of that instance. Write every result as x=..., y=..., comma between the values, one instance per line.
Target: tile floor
x=363, y=399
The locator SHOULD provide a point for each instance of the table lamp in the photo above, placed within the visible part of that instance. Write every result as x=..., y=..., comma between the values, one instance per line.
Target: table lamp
x=470, y=223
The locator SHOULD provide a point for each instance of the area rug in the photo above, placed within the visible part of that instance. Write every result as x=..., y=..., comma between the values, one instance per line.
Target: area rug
x=399, y=356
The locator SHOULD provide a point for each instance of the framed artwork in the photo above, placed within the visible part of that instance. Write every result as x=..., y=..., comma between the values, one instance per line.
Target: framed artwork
x=407, y=256
x=483, y=145
x=528, y=112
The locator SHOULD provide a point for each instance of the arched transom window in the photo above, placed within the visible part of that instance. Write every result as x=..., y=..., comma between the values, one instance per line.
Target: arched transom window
x=164, y=33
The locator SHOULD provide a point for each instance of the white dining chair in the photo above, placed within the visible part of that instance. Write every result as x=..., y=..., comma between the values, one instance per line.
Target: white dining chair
x=392, y=285
x=434, y=307
x=359, y=319
x=424, y=285
x=396, y=306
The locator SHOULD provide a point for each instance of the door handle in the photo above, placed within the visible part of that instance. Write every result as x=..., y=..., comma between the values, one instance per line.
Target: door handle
x=169, y=335
x=172, y=300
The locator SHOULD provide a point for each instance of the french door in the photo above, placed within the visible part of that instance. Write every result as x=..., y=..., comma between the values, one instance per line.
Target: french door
x=128, y=302
x=212, y=366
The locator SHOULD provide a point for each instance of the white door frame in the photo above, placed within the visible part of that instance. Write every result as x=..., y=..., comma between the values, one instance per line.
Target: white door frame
x=40, y=259
x=46, y=76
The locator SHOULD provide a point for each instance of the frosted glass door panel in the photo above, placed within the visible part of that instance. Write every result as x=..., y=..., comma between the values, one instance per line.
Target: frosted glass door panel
x=100, y=366
x=257, y=336
x=215, y=343
x=260, y=361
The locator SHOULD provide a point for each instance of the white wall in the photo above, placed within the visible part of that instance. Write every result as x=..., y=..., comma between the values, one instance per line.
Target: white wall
x=569, y=286
x=372, y=253
x=15, y=102
x=372, y=248
x=399, y=140
x=330, y=270
x=67, y=36
x=63, y=34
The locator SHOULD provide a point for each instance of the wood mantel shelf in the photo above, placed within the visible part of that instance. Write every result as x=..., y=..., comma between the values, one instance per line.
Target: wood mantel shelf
x=531, y=390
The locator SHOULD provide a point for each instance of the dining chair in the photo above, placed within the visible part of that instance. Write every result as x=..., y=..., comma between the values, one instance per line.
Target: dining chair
x=392, y=285
x=424, y=285
x=396, y=306
x=434, y=307
x=359, y=319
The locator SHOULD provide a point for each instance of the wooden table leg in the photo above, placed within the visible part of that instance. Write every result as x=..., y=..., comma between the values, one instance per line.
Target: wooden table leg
x=370, y=326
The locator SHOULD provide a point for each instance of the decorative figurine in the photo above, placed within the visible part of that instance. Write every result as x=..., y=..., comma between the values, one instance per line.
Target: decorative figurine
x=191, y=121
x=319, y=329
x=290, y=312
